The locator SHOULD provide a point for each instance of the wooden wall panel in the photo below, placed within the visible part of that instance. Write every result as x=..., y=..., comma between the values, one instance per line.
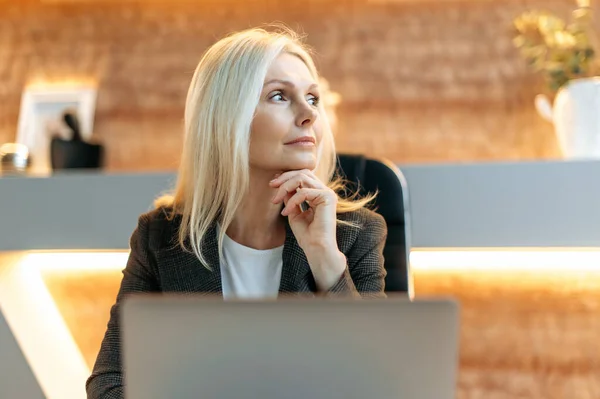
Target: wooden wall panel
x=431, y=81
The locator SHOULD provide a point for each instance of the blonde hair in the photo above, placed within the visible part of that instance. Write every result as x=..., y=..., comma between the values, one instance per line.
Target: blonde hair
x=221, y=101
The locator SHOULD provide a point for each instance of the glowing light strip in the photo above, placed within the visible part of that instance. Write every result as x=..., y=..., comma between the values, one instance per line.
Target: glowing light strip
x=76, y=261
x=509, y=260
x=37, y=324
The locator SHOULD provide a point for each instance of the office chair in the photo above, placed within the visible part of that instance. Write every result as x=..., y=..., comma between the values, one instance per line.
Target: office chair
x=371, y=175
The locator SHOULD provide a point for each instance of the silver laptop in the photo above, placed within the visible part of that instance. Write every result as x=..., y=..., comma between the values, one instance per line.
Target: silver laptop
x=16, y=378
x=188, y=347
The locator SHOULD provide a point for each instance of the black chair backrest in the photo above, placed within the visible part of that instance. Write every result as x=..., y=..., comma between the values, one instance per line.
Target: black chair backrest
x=371, y=175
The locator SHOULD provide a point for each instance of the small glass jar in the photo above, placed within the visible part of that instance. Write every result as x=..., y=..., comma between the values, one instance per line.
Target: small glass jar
x=14, y=159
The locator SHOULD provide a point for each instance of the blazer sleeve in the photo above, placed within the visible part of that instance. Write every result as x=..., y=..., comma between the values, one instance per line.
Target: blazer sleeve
x=365, y=274
x=106, y=381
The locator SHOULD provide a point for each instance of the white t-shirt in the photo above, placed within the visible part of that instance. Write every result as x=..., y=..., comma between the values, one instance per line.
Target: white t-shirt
x=250, y=273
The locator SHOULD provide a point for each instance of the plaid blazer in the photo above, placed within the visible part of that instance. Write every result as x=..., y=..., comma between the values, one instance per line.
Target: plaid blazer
x=157, y=265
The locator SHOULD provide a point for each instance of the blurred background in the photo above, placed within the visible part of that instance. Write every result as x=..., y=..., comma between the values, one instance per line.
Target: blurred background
x=420, y=81
x=503, y=212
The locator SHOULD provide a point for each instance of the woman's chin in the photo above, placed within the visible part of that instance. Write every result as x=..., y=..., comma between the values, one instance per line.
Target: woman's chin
x=296, y=157
x=309, y=164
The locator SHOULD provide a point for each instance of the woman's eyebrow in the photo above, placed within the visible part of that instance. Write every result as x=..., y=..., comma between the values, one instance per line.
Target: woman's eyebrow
x=287, y=83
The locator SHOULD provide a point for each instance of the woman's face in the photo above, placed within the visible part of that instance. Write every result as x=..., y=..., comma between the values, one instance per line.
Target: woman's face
x=287, y=129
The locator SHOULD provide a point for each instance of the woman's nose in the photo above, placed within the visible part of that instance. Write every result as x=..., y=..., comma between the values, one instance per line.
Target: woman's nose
x=306, y=116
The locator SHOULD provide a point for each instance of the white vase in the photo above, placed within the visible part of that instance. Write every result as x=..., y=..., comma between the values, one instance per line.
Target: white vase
x=576, y=117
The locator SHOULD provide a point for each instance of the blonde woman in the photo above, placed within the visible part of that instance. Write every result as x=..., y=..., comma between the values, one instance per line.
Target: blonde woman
x=255, y=212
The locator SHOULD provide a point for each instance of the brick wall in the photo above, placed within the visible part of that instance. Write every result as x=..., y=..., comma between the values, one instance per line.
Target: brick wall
x=421, y=81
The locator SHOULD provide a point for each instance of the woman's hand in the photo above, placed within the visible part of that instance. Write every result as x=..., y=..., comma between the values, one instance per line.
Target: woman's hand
x=314, y=228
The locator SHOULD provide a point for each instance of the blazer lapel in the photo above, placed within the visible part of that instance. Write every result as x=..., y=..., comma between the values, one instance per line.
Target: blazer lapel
x=191, y=276
x=296, y=276
x=212, y=282
x=187, y=272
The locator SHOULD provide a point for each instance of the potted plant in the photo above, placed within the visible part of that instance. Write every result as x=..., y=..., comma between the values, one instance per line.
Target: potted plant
x=566, y=55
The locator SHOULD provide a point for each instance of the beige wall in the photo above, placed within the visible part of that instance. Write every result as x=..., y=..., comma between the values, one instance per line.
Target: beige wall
x=421, y=81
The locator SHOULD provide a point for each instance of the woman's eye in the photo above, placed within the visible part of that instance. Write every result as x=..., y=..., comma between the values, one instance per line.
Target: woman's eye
x=313, y=100
x=277, y=97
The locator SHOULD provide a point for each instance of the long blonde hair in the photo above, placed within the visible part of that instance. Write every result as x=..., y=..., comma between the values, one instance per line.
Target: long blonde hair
x=221, y=101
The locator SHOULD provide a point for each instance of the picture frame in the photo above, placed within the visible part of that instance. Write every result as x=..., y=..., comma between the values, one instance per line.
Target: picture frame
x=42, y=107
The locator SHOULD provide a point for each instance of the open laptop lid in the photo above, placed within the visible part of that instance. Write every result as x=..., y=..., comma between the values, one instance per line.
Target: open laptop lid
x=187, y=347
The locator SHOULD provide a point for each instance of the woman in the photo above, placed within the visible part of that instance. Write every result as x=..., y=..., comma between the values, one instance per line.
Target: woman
x=255, y=211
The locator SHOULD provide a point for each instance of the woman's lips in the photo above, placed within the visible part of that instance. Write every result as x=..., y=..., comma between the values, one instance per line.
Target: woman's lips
x=302, y=141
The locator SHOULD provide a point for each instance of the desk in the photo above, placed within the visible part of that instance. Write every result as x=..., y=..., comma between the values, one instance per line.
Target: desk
x=523, y=334
x=528, y=329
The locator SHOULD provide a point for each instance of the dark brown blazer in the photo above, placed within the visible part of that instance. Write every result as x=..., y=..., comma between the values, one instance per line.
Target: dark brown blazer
x=157, y=264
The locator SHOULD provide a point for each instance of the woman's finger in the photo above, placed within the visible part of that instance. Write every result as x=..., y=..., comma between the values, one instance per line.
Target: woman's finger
x=295, y=182
x=297, y=214
x=313, y=196
x=286, y=187
x=309, y=176
x=287, y=197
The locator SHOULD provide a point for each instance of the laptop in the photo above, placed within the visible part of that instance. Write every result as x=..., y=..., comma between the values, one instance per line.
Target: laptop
x=16, y=378
x=188, y=347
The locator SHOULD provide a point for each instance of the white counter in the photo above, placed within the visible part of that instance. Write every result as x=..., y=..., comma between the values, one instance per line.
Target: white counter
x=549, y=204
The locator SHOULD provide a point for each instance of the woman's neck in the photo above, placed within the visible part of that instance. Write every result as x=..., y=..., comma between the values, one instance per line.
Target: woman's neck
x=258, y=222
